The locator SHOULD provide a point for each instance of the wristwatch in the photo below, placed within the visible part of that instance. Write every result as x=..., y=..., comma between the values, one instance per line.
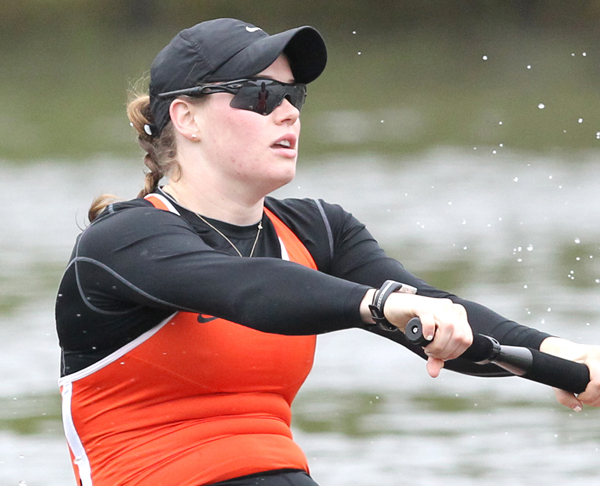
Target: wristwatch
x=381, y=295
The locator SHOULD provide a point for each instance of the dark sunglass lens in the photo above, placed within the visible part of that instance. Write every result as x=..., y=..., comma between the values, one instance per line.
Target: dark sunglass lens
x=264, y=96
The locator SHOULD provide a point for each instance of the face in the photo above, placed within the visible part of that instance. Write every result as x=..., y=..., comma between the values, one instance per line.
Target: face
x=256, y=152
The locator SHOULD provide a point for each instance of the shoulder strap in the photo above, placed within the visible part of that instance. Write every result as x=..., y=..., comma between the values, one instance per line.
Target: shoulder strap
x=291, y=246
x=295, y=248
x=161, y=202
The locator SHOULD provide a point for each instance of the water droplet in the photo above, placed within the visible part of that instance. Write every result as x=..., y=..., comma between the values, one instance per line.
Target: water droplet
x=584, y=54
x=549, y=309
x=354, y=32
x=541, y=106
x=525, y=286
x=359, y=53
x=485, y=58
x=499, y=123
x=494, y=152
x=528, y=66
x=598, y=135
x=530, y=247
x=501, y=145
x=577, y=241
x=464, y=221
x=516, y=179
x=381, y=121
x=580, y=120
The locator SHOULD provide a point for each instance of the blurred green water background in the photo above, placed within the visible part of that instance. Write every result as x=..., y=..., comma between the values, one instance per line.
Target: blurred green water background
x=464, y=133
x=417, y=65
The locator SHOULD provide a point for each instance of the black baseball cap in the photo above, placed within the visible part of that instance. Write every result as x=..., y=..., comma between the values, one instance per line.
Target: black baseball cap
x=225, y=50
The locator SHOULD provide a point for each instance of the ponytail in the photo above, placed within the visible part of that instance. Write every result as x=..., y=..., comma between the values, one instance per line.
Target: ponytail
x=160, y=158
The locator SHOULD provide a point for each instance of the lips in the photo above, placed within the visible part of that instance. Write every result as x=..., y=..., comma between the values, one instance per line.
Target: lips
x=287, y=142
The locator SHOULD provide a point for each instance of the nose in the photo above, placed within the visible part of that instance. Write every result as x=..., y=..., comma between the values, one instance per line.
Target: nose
x=286, y=113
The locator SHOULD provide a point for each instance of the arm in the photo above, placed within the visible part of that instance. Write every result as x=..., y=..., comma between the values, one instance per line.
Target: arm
x=358, y=257
x=152, y=258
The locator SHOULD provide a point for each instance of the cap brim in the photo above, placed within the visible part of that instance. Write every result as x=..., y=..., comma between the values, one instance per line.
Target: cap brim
x=303, y=46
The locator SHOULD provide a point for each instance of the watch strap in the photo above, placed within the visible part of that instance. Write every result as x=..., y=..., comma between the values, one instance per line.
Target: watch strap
x=379, y=298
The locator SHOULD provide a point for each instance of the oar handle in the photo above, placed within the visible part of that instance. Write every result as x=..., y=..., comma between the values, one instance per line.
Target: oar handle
x=524, y=362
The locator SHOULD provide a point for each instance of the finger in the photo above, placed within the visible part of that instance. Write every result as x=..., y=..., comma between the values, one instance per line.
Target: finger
x=568, y=400
x=428, y=326
x=591, y=395
x=448, y=343
x=434, y=366
x=461, y=340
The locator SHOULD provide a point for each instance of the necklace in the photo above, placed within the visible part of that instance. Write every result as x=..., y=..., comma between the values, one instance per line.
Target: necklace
x=230, y=242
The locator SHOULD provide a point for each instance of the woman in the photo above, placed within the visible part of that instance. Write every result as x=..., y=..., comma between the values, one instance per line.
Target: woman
x=187, y=316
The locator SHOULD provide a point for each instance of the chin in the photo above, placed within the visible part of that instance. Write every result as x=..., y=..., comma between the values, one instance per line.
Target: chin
x=280, y=179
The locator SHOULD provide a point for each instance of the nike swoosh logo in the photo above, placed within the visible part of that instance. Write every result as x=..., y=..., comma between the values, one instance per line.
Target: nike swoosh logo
x=203, y=319
x=253, y=29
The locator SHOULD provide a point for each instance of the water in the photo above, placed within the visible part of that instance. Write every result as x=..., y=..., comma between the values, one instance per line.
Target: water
x=516, y=232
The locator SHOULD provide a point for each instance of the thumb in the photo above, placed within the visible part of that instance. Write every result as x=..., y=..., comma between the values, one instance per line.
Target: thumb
x=568, y=400
x=434, y=366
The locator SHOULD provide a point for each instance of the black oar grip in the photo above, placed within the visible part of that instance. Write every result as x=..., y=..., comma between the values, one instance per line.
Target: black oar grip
x=525, y=362
x=557, y=372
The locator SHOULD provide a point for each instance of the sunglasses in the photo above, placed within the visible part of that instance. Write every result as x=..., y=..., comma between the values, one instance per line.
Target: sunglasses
x=260, y=95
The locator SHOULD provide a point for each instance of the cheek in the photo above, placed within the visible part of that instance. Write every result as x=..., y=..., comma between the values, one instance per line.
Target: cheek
x=239, y=127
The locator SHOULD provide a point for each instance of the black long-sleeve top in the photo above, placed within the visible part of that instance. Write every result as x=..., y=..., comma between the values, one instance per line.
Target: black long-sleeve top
x=135, y=265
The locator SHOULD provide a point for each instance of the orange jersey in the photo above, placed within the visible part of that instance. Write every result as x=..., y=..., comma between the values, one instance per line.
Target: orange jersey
x=195, y=400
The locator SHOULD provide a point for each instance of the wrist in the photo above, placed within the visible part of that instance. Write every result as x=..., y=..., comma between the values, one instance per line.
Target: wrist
x=564, y=348
x=379, y=300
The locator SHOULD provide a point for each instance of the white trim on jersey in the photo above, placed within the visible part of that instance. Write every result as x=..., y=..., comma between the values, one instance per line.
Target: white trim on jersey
x=80, y=457
x=284, y=254
x=164, y=200
x=114, y=355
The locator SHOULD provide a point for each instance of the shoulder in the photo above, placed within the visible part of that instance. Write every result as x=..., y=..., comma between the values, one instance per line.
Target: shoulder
x=129, y=211
x=127, y=221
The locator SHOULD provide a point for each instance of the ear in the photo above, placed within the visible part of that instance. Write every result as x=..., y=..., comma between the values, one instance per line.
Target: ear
x=182, y=114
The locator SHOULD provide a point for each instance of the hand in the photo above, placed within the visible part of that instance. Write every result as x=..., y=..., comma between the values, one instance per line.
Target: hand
x=444, y=322
x=581, y=353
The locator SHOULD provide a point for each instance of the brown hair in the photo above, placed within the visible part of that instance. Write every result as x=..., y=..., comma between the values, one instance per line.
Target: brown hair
x=160, y=157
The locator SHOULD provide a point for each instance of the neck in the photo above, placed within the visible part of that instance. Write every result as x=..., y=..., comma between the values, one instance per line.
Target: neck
x=209, y=201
